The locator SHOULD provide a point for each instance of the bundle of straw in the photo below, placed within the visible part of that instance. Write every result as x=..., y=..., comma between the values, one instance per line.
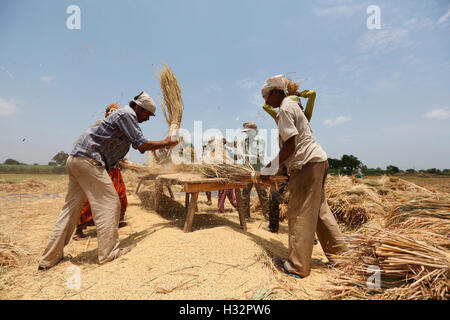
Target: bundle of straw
x=424, y=207
x=409, y=269
x=234, y=172
x=172, y=98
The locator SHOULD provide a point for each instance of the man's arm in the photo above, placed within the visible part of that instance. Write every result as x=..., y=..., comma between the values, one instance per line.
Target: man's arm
x=311, y=96
x=153, y=145
x=286, y=151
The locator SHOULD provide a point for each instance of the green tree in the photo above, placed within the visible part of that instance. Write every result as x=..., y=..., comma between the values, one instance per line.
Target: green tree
x=52, y=163
x=334, y=163
x=392, y=169
x=60, y=158
x=410, y=170
x=11, y=161
x=350, y=162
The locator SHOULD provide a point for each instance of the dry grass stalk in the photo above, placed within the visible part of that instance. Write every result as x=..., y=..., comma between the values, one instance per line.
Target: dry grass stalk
x=10, y=254
x=424, y=207
x=234, y=172
x=409, y=269
x=172, y=98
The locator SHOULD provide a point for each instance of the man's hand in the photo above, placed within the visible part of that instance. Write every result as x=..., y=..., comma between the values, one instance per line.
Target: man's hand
x=172, y=141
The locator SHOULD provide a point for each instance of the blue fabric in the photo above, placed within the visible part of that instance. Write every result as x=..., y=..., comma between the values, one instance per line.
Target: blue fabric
x=110, y=141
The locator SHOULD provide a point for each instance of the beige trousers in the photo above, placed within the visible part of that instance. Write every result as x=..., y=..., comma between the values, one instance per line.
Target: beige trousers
x=87, y=178
x=308, y=213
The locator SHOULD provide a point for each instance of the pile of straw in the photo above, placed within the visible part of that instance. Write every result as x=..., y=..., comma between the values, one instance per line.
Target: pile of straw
x=351, y=201
x=10, y=254
x=172, y=98
x=428, y=218
x=423, y=207
x=234, y=173
x=410, y=269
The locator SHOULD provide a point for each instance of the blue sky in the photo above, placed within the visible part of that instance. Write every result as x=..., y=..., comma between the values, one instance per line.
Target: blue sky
x=382, y=95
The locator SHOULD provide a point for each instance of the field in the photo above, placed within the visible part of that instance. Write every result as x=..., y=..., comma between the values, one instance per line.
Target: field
x=218, y=260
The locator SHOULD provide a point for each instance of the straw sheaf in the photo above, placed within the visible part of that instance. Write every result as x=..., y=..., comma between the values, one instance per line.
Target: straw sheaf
x=172, y=98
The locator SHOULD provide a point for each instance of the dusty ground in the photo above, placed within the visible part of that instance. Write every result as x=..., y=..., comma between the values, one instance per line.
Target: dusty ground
x=218, y=260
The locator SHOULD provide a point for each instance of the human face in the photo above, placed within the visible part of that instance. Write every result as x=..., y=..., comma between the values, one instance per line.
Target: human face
x=275, y=98
x=143, y=114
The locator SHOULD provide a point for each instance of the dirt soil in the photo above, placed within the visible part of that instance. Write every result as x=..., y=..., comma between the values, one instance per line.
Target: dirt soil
x=218, y=260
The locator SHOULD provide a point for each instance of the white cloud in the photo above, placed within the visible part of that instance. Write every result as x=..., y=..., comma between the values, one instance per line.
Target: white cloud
x=444, y=17
x=339, y=10
x=47, y=79
x=246, y=83
x=383, y=39
x=337, y=121
x=6, y=107
x=256, y=99
x=438, y=114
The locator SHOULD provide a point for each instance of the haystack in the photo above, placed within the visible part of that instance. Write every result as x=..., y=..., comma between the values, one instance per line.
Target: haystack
x=410, y=269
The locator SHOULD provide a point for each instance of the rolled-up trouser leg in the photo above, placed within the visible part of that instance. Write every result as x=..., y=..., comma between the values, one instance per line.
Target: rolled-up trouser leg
x=263, y=199
x=105, y=206
x=305, y=187
x=246, y=199
x=66, y=221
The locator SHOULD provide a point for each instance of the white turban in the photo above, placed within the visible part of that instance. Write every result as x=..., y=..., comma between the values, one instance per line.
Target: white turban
x=146, y=102
x=275, y=82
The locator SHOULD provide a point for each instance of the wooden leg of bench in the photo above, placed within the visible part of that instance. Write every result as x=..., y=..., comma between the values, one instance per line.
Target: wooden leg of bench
x=191, y=212
x=139, y=185
x=240, y=208
x=186, y=203
x=170, y=191
x=158, y=193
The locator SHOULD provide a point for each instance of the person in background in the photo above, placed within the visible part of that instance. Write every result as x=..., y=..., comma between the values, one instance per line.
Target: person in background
x=307, y=165
x=254, y=147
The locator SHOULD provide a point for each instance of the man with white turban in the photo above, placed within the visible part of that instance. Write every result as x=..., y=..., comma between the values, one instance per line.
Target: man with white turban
x=307, y=165
x=98, y=149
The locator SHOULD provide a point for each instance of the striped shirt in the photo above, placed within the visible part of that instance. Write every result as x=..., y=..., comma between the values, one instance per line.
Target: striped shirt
x=110, y=141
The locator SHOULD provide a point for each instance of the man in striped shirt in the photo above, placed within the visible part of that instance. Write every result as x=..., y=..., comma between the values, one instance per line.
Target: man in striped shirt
x=98, y=149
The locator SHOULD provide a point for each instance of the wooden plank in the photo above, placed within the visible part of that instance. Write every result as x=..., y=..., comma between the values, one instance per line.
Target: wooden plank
x=240, y=208
x=212, y=186
x=191, y=213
